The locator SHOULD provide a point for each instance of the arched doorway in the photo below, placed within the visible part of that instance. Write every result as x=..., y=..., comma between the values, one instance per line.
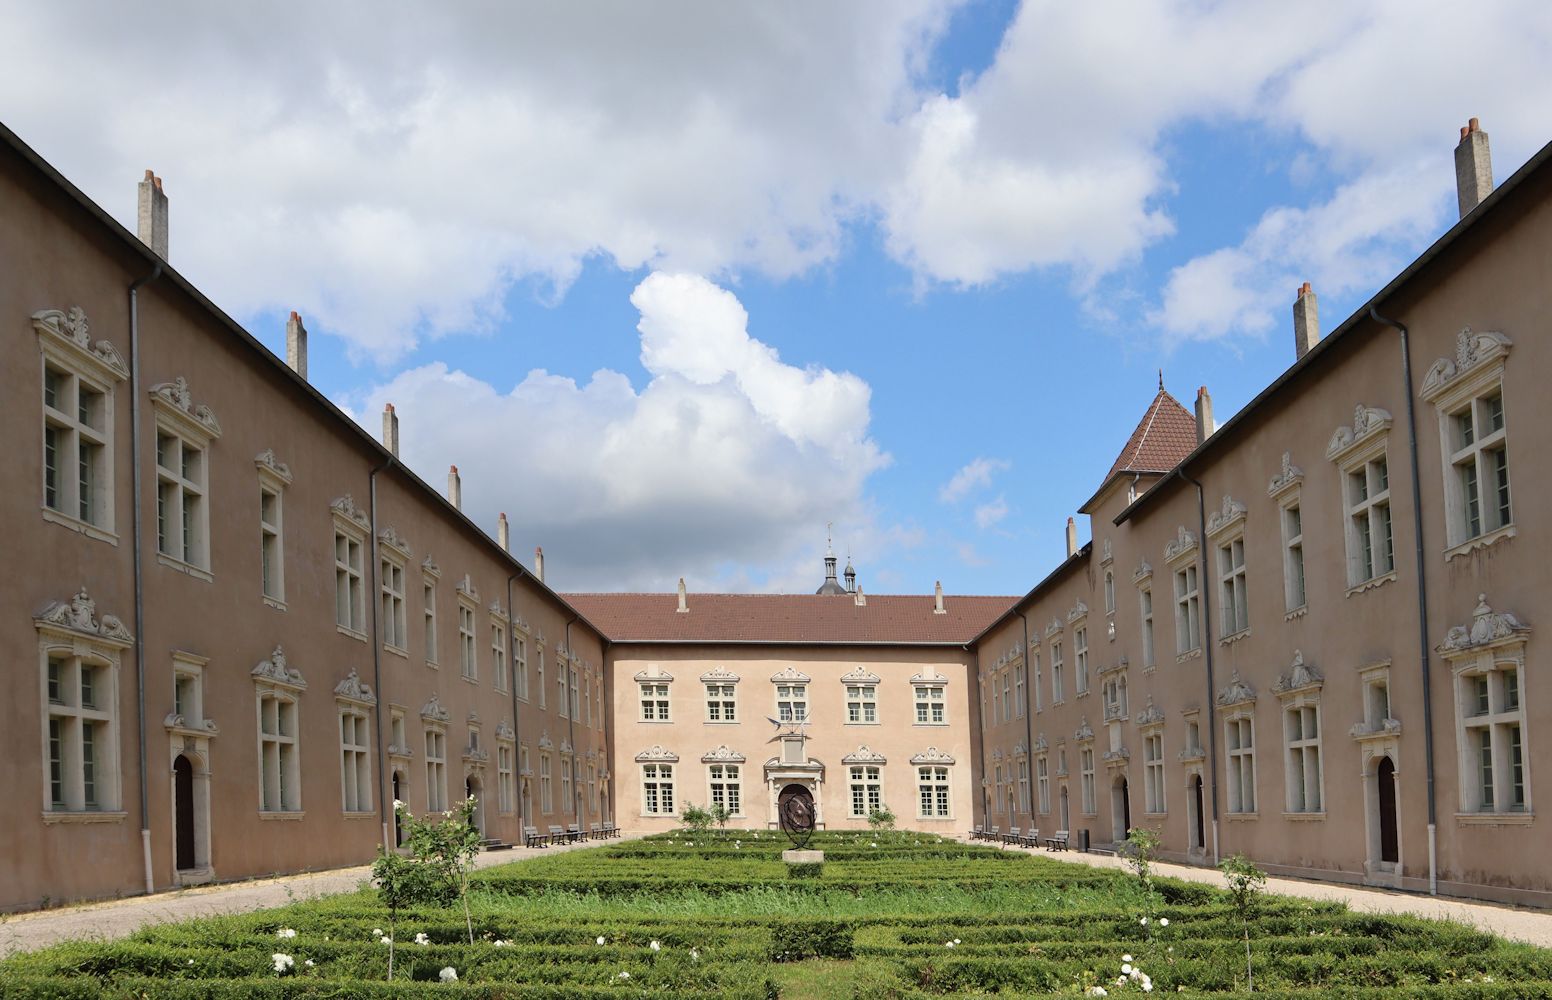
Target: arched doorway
x=1120, y=809
x=1195, y=821
x=472, y=789
x=398, y=825
x=1066, y=816
x=1385, y=788
x=183, y=813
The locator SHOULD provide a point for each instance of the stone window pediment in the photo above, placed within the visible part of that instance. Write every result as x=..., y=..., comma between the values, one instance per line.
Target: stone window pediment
x=1369, y=424
x=929, y=680
x=721, y=755
x=1182, y=546
x=1236, y=693
x=1227, y=516
x=504, y=732
x=346, y=511
x=1289, y=477
x=272, y=469
x=276, y=671
x=716, y=675
x=1479, y=359
x=1084, y=733
x=1151, y=717
x=1143, y=573
x=352, y=690
x=1053, y=629
x=790, y=675
x=653, y=675
x=394, y=542
x=68, y=333
x=655, y=754
x=78, y=617
x=860, y=676
x=1301, y=677
x=1488, y=630
x=1078, y=614
x=174, y=402
x=932, y=755
x=433, y=711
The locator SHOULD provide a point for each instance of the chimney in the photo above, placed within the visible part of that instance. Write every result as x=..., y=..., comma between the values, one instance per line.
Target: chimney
x=1204, y=417
x=1072, y=538
x=1306, y=321
x=539, y=562
x=390, y=429
x=851, y=577
x=1473, y=168
x=503, y=533
x=860, y=598
x=454, y=487
x=296, y=345
x=684, y=603
x=938, y=595
x=153, y=215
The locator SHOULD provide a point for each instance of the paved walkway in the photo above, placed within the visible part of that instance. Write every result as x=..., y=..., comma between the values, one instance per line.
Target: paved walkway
x=122, y=917
x=1531, y=926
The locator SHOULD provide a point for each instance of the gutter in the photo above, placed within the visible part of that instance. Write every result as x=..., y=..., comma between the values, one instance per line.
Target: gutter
x=139, y=558
x=1207, y=647
x=1422, y=597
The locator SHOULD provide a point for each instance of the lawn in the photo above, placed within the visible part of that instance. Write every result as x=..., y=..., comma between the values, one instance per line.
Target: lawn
x=891, y=916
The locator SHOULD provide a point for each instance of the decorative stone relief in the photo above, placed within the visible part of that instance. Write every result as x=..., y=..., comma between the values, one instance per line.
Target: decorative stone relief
x=1487, y=628
x=1226, y=516
x=1367, y=422
x=545, y=743
x=720, y=675
x=1151, y=714
x=498, y=612
x=1119, y=665
x=790, y=675
x=1055, y=628
x=79, y=614
x=1299, y=677
x=346, y=508
x=1236, y=692
x=1041, y=744
x=390, y=537
x=267, y=462
x=1117, y=757
x=429, y=567
x=176, y=394
x=1183, y=543
x=277, y=671
x=72, y=330
x=926, y=679
x=1143, y=572
x=859, y=676
x=432, y=711
x=654, y=673
x=655, y=754
x=1472, y=351
x=1084, y=731
x=997, y=754
x=1104, y=553
x=504, y=732
x=1286, y=478
x=722, y=755
x=466, y=588
x=932, y=755
x=1079, y=612
x=351, y=689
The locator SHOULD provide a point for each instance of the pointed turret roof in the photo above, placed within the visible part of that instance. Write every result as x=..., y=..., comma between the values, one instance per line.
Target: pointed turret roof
x=1164, y=436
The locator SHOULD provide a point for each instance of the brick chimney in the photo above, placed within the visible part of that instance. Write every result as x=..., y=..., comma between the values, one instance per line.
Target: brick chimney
x=937, y=592
x=684, y=600
x=1204, y=417
x=539, y=562
x=1473, y=167
x=1306, y=321
x=296, y=345
x=1072, y=538
x=503, y=533
x=390, y=429
x=454, y=487
x=152, y=217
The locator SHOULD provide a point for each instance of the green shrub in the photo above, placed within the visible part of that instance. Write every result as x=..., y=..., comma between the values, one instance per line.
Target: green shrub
x=805, y=869
x=795, y=940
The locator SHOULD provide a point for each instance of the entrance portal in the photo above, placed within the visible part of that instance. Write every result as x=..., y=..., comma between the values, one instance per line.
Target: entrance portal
x=398, y=825
x=1120, y=810
x=472, y=789
x=1385, y=787
x=1197, y=824
x=1066, y=818
x=183, y=811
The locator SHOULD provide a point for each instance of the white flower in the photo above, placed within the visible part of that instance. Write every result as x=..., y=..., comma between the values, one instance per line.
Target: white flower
x=282, y=963
x=377, y=932
x=695, y=955
x=499, y=943
x=1163, y=921
x=385, y=939
x=1097, y=991
x=948, y=944
x=956, y=940
x=1126, y=958
x=448, y=974
x=655, y=946
x=309, y=963
x=1126, y=968
x=191, y=961
x=399, y=806
x=285, y=932
x=1145, y=921
x=623, y=975
x=600, y=939
x=421, y=939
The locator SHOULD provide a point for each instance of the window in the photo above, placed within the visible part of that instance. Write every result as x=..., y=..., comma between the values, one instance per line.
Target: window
x=540, y=677
x=654, y=701
x=520, y=660
x=932, y=792
x=867, y=790
x=929, y=706
x=725, y=788
x=1043, y=783
x=1240, y=746
x=1369, y=544
x=272, y=579
x=1493, y=727
x=1153, y=772
x=792, y=702
x=1086, y=777
x=1145, y=604
x=1294, y=597
x=504, y=775
x=560, y=687
x=78, y=437
x=1301, y=726
x=587, y=700
x=188, y=690
x=182, y=525
x=398, y=743
x=395, y=620
x=280, y=784
x=82, y=733
x=428, y=603
x=355, y=760
x=436, y=770
x=349, y=612
x=657, y=789
x=1080, y=655
x=1110, y=600
x=997, y=788
x=524, y=777
x=1231, y=580
x=1057, y=696
x=1018, y=690
x=721, y=703
x=1007, y=700
x=468, y=664
x=1034, y=658
x=1023, y=783
x=576, y=697
x=498, y=653
x=567, y=762
x=1188, y=610
x=546, y=788
x=996, y=713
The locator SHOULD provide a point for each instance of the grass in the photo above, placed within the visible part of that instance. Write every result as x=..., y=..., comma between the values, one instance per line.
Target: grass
x=911, y=918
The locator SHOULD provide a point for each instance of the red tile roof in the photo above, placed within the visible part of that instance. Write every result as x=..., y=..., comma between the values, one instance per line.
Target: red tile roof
x=790, y=618
x=1165, y=436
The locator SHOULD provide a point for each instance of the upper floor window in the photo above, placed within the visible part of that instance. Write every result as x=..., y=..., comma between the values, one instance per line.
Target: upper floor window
x=1294, y=596
x=929, y=705
x=520, y=663
x=861, y=703
x=1188, y=610
x=721, y=701
x=654, y=701
x=576, y=695
x=1360, y=454
x=184, y=433
x=1231, y=581
x=428, y=604
x=349, y=601
x=1080, y=656
x=78, y=385
x=792, y=702
x=1057, y=695
x=498, y=653
x=395, y=619
x=1145, y=608
x=436, y=769
x=1467, y=390
x=1018, y=690
x=468, y=661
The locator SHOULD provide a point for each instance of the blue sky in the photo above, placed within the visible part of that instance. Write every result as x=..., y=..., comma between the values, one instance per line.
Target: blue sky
x=566, y=246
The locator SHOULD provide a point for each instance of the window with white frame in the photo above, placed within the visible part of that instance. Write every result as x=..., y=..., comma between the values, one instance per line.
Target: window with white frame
x=498, y=653
x=791, y=702
x=997, y=788
x=1371, y=551
x=657, y=789
x=1110, y=597
x=539, y=677
x=587, y=700
x=862, y=704
x=77, y=438
x=546, y=786
x=272, y=565
x=1057, y=680
x=1240, y=752
x=525, y=781
x=1145, y=607
x=504, y=775
x=355, y=759
x=188, y=690
x=1043, y=783
x=395, y=618
x=436, y=769
x=654, y=701
x=397, y=741
x=1294, y=596
x=182, y=516
x=1301, y=730
x=560, y=687
x=567, y=763
x=1086, y=778
x=82, y=729
x=1080, y=657
x=1018, y=690
x=280, y=785
x=576, y=694
x=1034, y=659
x=520, y=663
x=1233, y=597
x=1467, y=391
x=867, y=789
x=349, y=609
x=429, y=608
x=932, y=792
x=1007, y=694
x=1491, y=720
x=996, y=690
x=1188, y=610
x=725, y=788
x=721, y=701
x=1023, y=783
x=1153, y=771
x=468, y=662
x=930, y=705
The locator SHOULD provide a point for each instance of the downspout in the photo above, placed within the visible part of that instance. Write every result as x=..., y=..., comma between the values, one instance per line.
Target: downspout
x=1207, y=650
x=517, y=724
x=571, y=723
x=1422, y=598
x=980, y=787
x=1029, y=718
x=385, y=783
x=135, y=473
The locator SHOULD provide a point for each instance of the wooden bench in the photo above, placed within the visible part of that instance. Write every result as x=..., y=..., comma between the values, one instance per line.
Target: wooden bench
x=1013, y=836
x=994, y=833
x=1030, y=839
x=977, y=833
x=1058, y=842
x=558, y=835
x=595, y=832
x=574, y=833
x=533, y=838
x=610, y=830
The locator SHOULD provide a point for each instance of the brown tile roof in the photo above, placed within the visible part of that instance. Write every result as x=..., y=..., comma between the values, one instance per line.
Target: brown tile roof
x=1165, y=436
x=790, y=618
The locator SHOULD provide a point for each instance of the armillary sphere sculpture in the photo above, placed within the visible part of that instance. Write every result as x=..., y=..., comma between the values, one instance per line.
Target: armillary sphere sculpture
x=797, y=820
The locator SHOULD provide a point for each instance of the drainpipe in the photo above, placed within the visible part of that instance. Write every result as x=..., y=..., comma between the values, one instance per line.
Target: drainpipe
x=517, y=724
x=1029, y=718
x=979, y=788
x=1207, y=649
x=140, y=667
x=1422, y=598
x=385, y=782
x=571, y=723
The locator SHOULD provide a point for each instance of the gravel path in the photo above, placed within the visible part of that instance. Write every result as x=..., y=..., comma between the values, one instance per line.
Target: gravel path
x=122, y=917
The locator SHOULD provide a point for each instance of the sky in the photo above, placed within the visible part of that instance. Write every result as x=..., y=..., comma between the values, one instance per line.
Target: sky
x=681, y=286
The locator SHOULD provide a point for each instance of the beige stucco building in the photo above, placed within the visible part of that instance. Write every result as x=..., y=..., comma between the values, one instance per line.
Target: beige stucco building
x=239, y=628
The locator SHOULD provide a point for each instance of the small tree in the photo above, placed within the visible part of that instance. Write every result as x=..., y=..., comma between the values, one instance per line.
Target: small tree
x=1141, y=845
x=881, y=819
x=719, y=812
x=697, y=820
x=401, y=882
x=1245, y=882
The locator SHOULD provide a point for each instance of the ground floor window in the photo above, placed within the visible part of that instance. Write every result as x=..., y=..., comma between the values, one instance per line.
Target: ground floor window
x=932, y=788
x=726, y=790
x=657, y=789
x=867, y=790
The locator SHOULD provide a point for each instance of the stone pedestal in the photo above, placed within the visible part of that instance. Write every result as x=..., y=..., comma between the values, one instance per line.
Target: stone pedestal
x=802, y=857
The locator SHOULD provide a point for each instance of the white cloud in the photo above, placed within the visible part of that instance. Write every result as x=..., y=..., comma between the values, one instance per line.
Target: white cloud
x=990, y=514
x=975, y=474
x=726, y=456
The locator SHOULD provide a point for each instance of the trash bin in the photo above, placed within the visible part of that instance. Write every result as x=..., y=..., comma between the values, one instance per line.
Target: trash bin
x=1083, y=840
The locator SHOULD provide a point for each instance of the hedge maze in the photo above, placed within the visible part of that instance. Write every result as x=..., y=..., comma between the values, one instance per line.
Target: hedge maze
x=719, y=917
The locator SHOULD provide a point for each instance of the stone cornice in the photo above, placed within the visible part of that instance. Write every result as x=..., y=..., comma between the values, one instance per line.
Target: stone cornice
x=70, y=332
x=78, y=616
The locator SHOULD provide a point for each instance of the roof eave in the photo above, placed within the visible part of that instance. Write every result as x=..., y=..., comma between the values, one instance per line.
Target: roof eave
x=1051, y=578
